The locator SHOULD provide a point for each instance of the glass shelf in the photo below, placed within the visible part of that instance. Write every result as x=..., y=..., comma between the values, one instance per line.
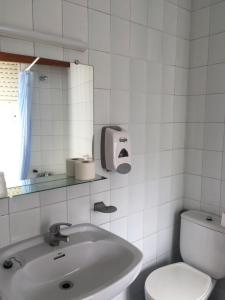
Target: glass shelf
x=46, y=183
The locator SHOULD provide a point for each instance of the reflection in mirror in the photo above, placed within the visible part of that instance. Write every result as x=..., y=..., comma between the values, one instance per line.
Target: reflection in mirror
x=46, y=116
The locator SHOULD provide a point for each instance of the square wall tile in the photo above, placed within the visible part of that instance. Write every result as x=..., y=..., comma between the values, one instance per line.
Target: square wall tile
x=168, y=81
x=137, y=135
x=137, y=107
x=155, y=40
x=119, y=107
x=119, y=199
x=118, y=180
x=200, y=23
x=198, y=81
x=51, y=214
x=193, y=161
x=164, y=242
x=196, y=108
x=155, y=14
x=217, y=48
x=4, y=206
x=195, y=135
x=149, y=247
x=24, y=225
x=79, y=210
x=153, y=109
x=215, y=82
x=166, y=137
x=78, y=191
x=150, y=221
x=139, y=11
x=101, y=106
x=136, y=197
x=120, y=8
x=138, y=41
x=165, y=185
x=199, y=52
x=182, y=53
x=179, y=109
x=197, y=4
x=48, y=16
x=155, y=78
x=170, y=18
x=213, y=136
x=17, y=46
x=101, y=5
x=120, y=72
x=223, y=194
x=215, y=108
x=24, y=202
x=217, y=18
x=167, y=108
x=169, y=49
x=135, y=227
x=184, y=23
x=99, y=186
x=99, y=30
x=151, y=193
x=4, y=231
x=192, y=188
x=119, y=227
x=211, y=191
x=181, y=81
x=212, y=164
x=120, y=36
x=17, y=13
x=101, y=63
x=48, y=51
x=187, y=4
x=138, y=76
x=99, y=218
x=75, y=21
x=52, y=196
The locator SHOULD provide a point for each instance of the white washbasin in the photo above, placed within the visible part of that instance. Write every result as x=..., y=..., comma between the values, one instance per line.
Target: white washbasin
x=94, y=265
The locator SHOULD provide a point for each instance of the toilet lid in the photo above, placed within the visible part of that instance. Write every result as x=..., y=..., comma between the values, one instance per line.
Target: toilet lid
x=178, y=282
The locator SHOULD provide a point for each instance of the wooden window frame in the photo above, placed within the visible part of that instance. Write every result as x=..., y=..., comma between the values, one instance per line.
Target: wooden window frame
x=11, y=57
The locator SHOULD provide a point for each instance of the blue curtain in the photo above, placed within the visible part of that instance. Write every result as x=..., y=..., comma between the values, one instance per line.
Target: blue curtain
x=25, y=110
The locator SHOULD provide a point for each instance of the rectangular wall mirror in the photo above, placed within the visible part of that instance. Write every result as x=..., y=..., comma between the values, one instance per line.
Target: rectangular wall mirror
x=46, y=116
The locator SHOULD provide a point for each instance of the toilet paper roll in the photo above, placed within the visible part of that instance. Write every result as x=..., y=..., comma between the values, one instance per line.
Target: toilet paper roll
x=85, y=170
x=70, y=163
x=223, y=220
x=3, y=188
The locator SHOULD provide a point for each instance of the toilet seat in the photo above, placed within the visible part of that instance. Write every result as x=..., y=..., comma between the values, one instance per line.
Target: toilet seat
x=178, y=282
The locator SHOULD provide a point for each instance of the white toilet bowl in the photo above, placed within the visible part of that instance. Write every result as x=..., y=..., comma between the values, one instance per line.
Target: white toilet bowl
x=178, y=282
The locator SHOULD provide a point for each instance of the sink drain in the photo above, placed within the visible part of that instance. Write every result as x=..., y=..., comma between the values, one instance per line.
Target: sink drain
x=66, y=285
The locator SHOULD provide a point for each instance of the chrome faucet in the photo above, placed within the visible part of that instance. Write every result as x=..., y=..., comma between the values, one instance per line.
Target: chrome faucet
x=55, y=236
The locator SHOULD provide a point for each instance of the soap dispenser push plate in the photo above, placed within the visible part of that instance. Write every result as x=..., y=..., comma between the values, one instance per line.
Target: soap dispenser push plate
x=115, y=149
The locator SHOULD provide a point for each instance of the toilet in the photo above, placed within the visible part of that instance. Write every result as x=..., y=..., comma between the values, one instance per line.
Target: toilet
x=202, y=247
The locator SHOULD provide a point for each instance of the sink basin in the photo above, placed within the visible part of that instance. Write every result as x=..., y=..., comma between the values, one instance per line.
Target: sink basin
x=94, y=265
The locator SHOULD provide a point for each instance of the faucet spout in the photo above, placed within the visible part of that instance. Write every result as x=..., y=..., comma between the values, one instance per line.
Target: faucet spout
x=55, y=236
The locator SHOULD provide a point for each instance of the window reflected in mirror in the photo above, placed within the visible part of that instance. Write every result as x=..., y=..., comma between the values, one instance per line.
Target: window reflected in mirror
x=46, y=116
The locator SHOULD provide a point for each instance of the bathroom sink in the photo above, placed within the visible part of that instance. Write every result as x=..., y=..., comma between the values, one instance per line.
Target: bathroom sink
x=94, y=265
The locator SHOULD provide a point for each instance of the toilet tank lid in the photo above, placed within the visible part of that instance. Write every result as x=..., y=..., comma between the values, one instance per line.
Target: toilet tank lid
x=204, y=219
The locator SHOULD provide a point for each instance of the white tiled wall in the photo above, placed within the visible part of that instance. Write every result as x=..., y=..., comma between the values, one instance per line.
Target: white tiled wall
x=139, y=49
x=205, y=163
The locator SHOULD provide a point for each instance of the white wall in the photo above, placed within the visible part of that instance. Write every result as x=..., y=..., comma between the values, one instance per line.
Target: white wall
x=139, y=49
x=205, y=159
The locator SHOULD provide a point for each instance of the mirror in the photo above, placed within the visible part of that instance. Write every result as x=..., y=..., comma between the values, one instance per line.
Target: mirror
x=46, y=116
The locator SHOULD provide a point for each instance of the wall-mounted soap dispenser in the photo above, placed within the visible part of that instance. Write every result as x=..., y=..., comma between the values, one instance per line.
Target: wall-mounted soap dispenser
x=115, y=149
